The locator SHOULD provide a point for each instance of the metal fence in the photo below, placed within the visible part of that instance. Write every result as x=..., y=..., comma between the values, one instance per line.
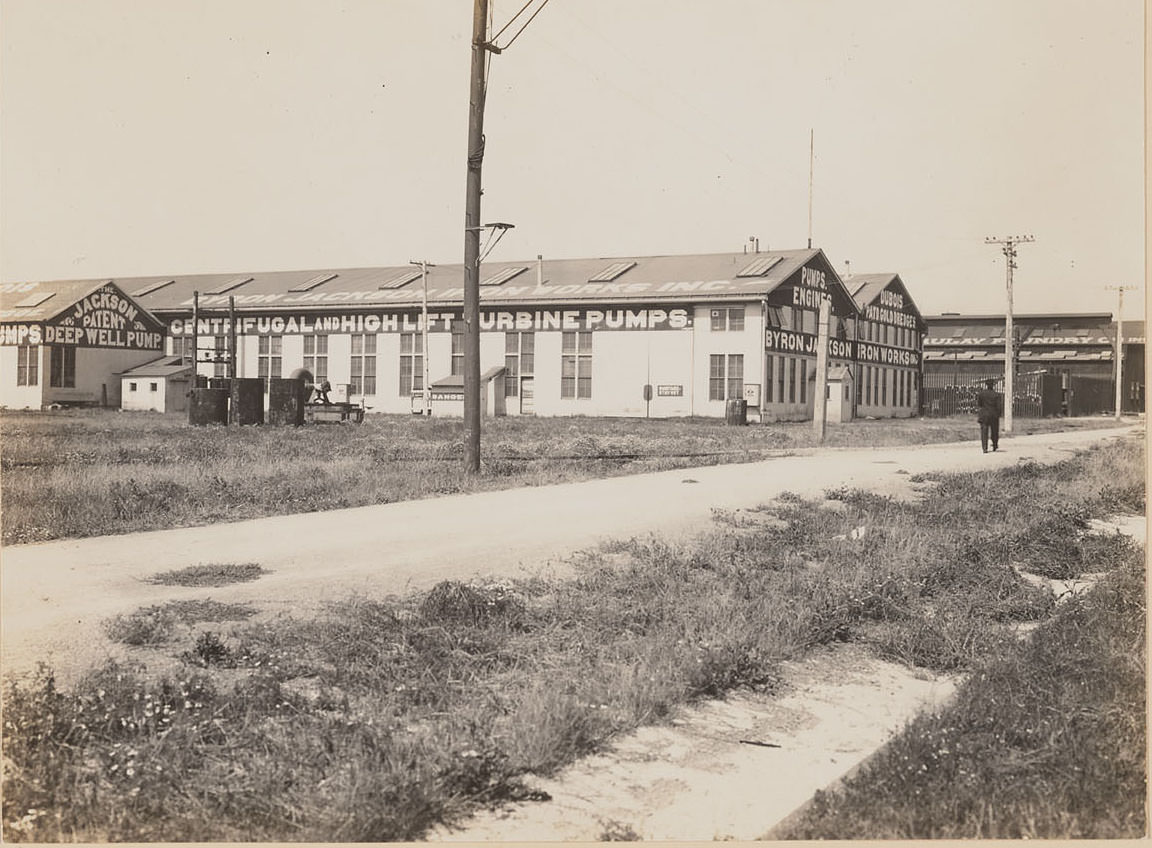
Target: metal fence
x=1036, y=395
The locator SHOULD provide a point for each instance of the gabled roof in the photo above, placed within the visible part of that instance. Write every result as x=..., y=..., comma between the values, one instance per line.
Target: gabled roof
x=685, y=278
x=866, y=290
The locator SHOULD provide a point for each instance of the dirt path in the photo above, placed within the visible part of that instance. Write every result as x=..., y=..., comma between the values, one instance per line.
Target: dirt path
x=55, y=595
x=724, y=770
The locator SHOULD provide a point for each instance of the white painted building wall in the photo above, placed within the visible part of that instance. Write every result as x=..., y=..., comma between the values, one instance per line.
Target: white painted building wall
x=13, y=396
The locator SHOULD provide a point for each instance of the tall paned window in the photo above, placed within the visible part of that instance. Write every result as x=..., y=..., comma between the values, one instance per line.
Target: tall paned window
x=803, y=381
x=519, y=360
x=725, y=376
x=28, y=365
x=411, y=363
x=576, y=365
x=716, y=376
x=316, y=357
x=791, y=379
x=780, y=381
x=457, y=348
x=363, y=371
x=182, y=347
x=735, y=375
x=885, y=379
x=220, y=357
x=269, y=357
x=769, y=371
x=63, y=370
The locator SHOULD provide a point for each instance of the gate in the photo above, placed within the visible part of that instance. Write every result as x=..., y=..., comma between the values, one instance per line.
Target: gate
x=1090, y=395
x=1036, y=394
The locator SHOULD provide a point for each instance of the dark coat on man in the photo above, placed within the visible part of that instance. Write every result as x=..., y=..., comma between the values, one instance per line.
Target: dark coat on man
x=989, y=405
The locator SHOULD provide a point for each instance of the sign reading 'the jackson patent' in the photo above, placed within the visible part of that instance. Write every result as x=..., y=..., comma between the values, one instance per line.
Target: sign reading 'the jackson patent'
x=105, y=318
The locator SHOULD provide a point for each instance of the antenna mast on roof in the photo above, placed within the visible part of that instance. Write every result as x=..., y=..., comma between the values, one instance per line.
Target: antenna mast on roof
x=811, y=170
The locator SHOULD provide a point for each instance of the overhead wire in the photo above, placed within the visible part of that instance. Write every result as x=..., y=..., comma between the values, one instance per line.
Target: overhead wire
x=512, y=41
x=513, y=18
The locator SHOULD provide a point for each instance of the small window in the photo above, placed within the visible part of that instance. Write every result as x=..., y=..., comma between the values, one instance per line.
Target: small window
x=731, y=319
x=153, y=387
x=131, y=387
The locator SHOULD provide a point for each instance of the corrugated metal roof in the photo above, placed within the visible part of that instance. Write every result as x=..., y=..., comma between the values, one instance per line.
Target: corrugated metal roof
x=53, y=298
x=684, y=278
x=867, y=287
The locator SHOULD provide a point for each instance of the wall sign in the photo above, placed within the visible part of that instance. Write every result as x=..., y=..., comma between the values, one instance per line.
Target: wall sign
x=491, y=320
x=788, y=341
x=106, y=318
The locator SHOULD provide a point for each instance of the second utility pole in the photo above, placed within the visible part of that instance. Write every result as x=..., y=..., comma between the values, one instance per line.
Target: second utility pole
x=1009, y=250
x=472, y=239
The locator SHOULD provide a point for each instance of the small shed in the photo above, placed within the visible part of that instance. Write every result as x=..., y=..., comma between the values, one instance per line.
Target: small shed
x=840, y=393
x=447, y=395
x=161, y=385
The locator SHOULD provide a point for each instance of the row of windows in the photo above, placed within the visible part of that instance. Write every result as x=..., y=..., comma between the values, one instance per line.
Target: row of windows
x=519, y=360
x=61, y=366
x=787, y=380
x=873, y=331
x=876, y=384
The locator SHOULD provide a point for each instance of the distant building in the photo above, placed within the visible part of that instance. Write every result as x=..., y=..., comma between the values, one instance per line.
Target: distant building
x=1073, y=349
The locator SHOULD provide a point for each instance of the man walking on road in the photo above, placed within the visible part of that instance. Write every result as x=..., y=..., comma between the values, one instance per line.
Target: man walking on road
x=989, y=408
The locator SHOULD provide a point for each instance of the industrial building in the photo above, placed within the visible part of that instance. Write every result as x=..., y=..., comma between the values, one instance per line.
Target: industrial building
x=1064, y=361
x=625, y=336
x=66, y=342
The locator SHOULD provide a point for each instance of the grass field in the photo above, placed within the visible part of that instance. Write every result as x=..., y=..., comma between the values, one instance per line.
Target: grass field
x=383, y=717
x=86, y=473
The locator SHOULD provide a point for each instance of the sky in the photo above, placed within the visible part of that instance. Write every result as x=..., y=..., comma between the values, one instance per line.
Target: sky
x=142, y=137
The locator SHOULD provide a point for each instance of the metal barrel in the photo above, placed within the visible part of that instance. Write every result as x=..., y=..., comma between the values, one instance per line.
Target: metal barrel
x=208, y=406
x=286, y=398
x=736, y=412
x=247, y=400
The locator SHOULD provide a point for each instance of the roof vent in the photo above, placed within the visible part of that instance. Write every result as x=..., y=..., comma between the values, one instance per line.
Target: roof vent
x=151, y=287
x=503, y=276
x=308, y=285
x=759, y=267
x=612, y=272
x=234, y=283
x=33, y=300
x=400, y=280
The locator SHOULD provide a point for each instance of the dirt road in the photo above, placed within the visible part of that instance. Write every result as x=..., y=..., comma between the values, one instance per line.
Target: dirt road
x=55, y=595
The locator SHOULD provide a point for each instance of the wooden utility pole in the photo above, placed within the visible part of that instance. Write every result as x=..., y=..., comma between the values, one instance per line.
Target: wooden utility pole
x=195, y=336
x=476, y=89
x=1118, y=354
x=820, y=408
x=424, y=266
x=1008, y=248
